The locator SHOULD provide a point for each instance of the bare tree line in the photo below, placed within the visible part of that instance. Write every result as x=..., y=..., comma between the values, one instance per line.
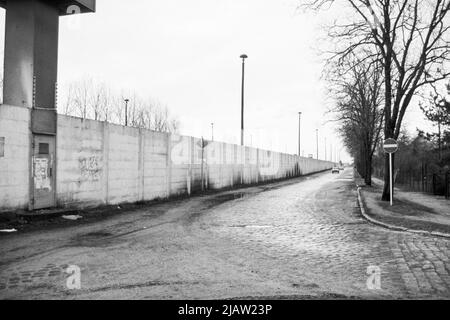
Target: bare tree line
x=357, y=88
x=409, y=39
x=89, y=99
x=436, y=109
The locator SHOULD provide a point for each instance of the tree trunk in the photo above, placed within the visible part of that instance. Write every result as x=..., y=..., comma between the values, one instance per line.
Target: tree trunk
x=362, y=164
x=368, y=177
x=439, y=141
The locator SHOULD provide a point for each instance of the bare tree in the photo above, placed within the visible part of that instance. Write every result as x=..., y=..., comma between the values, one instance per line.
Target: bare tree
x=82, y=92
x=411, y=39
x=106, y=100
x=357, y=87
x=97, y=96
x=437, y=110
x=68, y=104
x=161, y=120
x=90, y=99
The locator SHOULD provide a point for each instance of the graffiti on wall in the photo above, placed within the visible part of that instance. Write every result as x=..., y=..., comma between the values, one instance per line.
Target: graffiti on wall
x=90, y=168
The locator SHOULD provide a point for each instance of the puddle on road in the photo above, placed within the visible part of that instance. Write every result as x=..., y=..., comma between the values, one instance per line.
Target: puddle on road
x=91, y=239
x=212, y=203
x=97, y=234
x=227, y=197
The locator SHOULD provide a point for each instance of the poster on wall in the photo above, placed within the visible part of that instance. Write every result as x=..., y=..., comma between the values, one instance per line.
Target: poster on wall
x=41, y=178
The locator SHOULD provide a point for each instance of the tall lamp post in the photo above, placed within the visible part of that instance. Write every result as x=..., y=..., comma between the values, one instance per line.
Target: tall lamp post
x=126, y=111
x=299, y=133
x=212, y=131
x=243, y=57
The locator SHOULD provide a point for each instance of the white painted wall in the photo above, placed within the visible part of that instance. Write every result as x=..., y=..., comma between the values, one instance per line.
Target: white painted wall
x=100, y=163
x=14, y=165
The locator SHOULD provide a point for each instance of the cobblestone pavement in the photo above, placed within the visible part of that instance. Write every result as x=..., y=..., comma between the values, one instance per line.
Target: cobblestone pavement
x=302, y=238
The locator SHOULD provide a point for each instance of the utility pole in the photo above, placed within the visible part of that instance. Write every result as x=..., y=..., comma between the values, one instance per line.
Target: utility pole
x=243, y=57
x=212, y=131
x=126, y=111
x=299, y=132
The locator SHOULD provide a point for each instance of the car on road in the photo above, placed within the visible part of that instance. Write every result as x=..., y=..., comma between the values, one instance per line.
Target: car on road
x=335, y=170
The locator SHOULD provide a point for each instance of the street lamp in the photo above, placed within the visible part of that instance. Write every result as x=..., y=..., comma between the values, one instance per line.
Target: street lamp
x=212, y=131
x=126, y=111
x=243, y=57
x=299, y=136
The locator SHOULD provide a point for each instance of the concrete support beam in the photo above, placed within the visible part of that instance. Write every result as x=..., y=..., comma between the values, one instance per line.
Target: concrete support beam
x=31, y=54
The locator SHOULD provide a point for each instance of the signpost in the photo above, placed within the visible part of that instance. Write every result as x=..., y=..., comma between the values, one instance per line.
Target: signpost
x=202, y=144
x=390, y=146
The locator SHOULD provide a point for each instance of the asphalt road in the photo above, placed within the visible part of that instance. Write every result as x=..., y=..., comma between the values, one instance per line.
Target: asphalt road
x=298, y=239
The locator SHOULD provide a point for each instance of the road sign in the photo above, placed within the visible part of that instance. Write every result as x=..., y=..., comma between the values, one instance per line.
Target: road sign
x=390, y=146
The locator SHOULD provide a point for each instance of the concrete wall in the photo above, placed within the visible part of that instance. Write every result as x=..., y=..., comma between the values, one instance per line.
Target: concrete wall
x=14, y=157
x=100, y=163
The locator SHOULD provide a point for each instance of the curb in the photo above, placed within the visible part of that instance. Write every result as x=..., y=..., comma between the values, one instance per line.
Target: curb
x=393, y=227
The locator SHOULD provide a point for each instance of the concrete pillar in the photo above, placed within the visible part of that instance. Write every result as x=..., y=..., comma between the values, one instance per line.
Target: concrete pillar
x=31, y=42
x=30, y=75
x=31, y=57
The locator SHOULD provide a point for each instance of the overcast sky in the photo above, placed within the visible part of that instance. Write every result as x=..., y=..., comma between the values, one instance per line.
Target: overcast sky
x=186, y=54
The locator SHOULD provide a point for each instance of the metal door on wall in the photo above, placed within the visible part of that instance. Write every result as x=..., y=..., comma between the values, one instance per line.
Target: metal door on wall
x=43, y=174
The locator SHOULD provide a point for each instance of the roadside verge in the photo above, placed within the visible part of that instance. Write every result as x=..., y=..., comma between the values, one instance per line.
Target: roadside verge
x=410, y=212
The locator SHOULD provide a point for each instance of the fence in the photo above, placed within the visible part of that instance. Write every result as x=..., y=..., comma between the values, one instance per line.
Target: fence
x=437, y=183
